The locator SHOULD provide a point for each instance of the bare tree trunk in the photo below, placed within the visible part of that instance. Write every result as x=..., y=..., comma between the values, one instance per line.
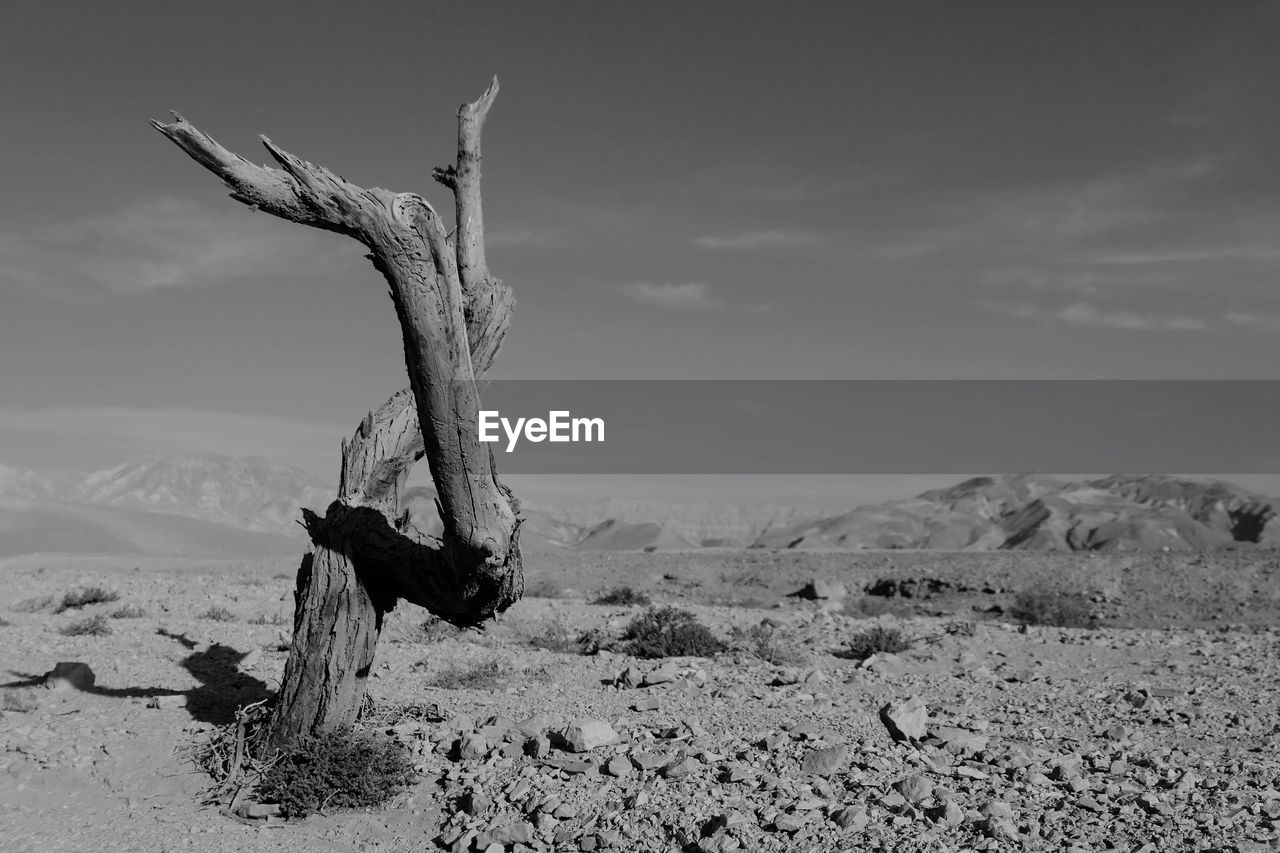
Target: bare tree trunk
x=453, y=317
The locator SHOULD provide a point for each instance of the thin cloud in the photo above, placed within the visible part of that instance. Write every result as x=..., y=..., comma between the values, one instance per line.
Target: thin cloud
x=753, y=240
x=1264, y=322
x=693, y=296
x=160, y=245
x=1088, y=314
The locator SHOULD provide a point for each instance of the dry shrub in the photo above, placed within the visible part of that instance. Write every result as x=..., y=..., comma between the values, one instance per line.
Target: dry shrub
x=129, y=611
x=624, y=596
x=346, y=770
x=32, y=605
x=84, y=597
x=877, y=640
x=218, y=614
x=479, y=676
x=90, y=626
x=766, y=642
x=23, y=700
x=669, y=632
x=1041, y=606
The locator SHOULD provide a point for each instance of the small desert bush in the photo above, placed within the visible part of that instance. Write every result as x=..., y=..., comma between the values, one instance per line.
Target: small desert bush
x=433, y=630
x=543, y=588
x=872, y=606
x=554, y=634
x=624, y=596
x=90, y=626
x=22, y=700
x=218, y=614
x=1039, y=606
x=32, y=605
x=264, y=619
x=766, y=642
x=480, y=676
x=84, y=597
x=877, y=640
x=669, y=632
x=129, y=611
x=346, y=770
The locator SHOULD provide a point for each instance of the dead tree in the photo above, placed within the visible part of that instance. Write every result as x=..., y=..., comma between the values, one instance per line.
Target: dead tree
x=453, y=317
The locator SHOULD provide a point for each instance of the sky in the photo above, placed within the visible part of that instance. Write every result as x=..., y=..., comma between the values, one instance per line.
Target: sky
x=720, y=190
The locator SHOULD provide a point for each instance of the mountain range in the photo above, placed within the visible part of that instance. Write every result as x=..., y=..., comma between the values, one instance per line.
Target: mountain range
x=1031, y=512
x=213, y=505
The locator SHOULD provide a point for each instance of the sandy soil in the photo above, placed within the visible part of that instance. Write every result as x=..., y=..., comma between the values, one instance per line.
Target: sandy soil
x=1158, y=732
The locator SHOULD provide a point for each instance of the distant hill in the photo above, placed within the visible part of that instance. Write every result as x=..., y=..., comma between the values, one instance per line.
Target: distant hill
x=208, y=504
x=615, y=535
x=1029, y=512
x=249, y=493
x=33, y=527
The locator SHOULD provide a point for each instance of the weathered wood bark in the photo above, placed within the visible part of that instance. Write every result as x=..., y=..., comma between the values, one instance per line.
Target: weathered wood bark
x=453, y=317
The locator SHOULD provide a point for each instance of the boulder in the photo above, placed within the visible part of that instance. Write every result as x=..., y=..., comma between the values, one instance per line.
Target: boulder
x=586, y=735
x=70, y=674
x=907, y=720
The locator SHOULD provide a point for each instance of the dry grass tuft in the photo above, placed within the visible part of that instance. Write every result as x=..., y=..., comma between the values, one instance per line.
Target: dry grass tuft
x=90, y=626
x=218, y=614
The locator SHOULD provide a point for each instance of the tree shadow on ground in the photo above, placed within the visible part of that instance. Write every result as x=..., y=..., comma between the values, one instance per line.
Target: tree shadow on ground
x=224, y=687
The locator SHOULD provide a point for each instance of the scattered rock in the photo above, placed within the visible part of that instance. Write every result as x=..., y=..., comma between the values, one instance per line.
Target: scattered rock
x=914, y=789
x=70, y=674
x=586, y=735
x=905, y=720
x=824, y=762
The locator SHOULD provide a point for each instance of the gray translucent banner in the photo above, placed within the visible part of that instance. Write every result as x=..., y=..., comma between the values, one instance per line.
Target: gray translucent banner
x=893, y=427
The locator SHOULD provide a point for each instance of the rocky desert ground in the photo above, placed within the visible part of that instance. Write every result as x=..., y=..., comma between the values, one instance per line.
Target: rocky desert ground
x=1155, y=730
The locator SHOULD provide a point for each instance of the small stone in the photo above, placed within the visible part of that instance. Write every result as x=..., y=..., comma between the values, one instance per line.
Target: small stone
x=663, y=674
x=533, y=726
x=947, y=814
x=618, y=766
x=790, y=822
x=537, y=747
x=824, y=762
x=681, y=768
x=475, y=802
x=996, y=809
x=260, y=811
x=70, y=674
x=648, y=760
x=472, y=747
x=905, y=720
x=648, y=703
x=915, y=789
x=1000, y=829
x=852, y=818
x=629, y=678
x=516, y=832
x=586, y=735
